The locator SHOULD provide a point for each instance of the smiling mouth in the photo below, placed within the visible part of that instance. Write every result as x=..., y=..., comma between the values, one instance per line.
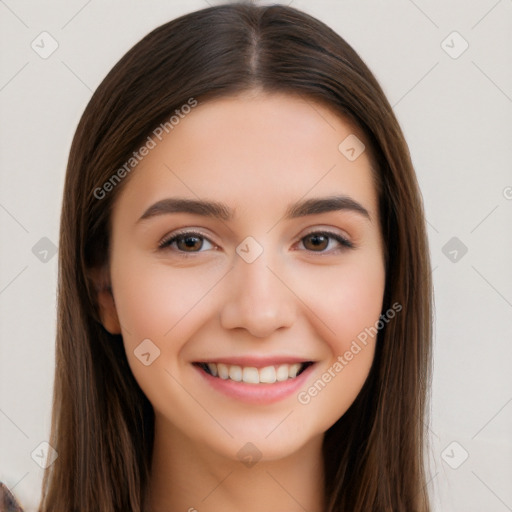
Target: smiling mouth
x=252, y=375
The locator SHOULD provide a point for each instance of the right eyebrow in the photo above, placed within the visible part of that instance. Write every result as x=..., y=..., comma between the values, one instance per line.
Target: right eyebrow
x=194, y=206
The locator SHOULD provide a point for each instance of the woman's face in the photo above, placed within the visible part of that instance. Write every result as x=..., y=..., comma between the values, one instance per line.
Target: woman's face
x=246, y=246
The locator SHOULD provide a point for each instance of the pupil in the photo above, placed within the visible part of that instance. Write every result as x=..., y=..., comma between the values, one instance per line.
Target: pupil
x=190, y=242
x=318, y=241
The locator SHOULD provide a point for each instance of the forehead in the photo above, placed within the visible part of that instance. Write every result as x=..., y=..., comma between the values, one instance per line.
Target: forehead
x=255, y=149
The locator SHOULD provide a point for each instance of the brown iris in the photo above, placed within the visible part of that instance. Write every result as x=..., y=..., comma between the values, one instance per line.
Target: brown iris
x=189, y=243
x=316, y=242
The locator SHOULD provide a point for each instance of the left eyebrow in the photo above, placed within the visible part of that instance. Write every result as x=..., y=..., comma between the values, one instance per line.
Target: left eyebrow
x=221, y=211
x=325, y=204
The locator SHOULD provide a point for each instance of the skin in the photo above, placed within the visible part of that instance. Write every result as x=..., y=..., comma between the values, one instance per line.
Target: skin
x=257, y=153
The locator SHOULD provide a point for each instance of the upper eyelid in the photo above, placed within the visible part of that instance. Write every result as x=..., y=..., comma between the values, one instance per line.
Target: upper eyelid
x=328, y=231
x=187, y=231
x=190, y=231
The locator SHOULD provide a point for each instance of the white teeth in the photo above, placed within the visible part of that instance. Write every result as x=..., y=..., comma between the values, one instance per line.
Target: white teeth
x=235, y=373
x=252, y=375
x=268, y=375
x=222, y=369
x=282, y=373
x=293, y=370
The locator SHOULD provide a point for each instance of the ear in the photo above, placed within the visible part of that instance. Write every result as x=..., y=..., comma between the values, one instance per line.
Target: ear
x=105, y=300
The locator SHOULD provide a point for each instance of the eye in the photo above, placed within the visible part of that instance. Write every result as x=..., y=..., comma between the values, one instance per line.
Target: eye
x=194, y=242
x=320, y=241
x=189, y=241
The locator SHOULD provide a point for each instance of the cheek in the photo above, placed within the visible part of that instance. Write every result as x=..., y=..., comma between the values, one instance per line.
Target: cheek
x=356, y=304
x=164, y=305
x=346, y=300
x=154, y=300
x=347, y=305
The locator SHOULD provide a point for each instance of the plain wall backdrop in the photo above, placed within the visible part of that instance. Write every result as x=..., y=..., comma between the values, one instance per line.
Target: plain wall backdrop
x=446, y=68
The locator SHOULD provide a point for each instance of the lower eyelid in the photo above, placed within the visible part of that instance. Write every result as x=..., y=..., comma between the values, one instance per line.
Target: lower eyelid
x=344, y=242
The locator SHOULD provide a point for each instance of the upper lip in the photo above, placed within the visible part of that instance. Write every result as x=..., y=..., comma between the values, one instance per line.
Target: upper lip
x=256, y=361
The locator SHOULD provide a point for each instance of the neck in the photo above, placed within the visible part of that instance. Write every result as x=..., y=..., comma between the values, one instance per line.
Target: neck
x=186, y=476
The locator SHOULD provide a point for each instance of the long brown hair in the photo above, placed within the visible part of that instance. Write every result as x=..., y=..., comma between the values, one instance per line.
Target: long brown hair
x=102, y=423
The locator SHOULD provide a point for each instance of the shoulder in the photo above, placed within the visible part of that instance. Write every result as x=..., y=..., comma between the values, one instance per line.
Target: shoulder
x=8, y=502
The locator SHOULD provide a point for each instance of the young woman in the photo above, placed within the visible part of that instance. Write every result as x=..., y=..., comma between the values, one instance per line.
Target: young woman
x=244, y=299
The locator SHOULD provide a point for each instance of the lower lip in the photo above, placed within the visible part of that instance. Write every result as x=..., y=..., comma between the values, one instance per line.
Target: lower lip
x=257, y=393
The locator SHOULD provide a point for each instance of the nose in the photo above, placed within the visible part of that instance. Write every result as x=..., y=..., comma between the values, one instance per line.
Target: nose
x=259, y=300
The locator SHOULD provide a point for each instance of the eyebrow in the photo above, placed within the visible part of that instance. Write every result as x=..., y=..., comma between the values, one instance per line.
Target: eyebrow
x=221, y=211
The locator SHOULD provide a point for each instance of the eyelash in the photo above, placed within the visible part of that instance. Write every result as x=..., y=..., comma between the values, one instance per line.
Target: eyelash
x=166, y=243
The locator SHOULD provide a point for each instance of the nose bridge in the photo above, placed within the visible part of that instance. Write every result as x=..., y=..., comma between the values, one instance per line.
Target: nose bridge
x=258, y=301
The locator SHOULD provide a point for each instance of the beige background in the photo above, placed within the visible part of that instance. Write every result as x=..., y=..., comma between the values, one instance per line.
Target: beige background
x=455, y=107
